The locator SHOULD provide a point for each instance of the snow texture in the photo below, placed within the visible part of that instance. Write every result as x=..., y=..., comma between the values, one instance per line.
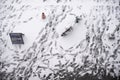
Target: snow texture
x=78, y=40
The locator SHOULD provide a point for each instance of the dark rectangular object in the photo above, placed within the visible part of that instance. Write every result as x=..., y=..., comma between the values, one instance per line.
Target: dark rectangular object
x=16, y=38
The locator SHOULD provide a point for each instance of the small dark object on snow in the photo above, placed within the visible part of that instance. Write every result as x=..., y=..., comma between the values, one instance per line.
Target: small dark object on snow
x=16, y=38
x=77, y=20
x=112, y=37
x=43, y=16
x=67, y=31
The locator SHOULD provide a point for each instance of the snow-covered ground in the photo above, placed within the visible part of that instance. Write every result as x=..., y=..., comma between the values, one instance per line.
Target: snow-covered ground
x=59, y=45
